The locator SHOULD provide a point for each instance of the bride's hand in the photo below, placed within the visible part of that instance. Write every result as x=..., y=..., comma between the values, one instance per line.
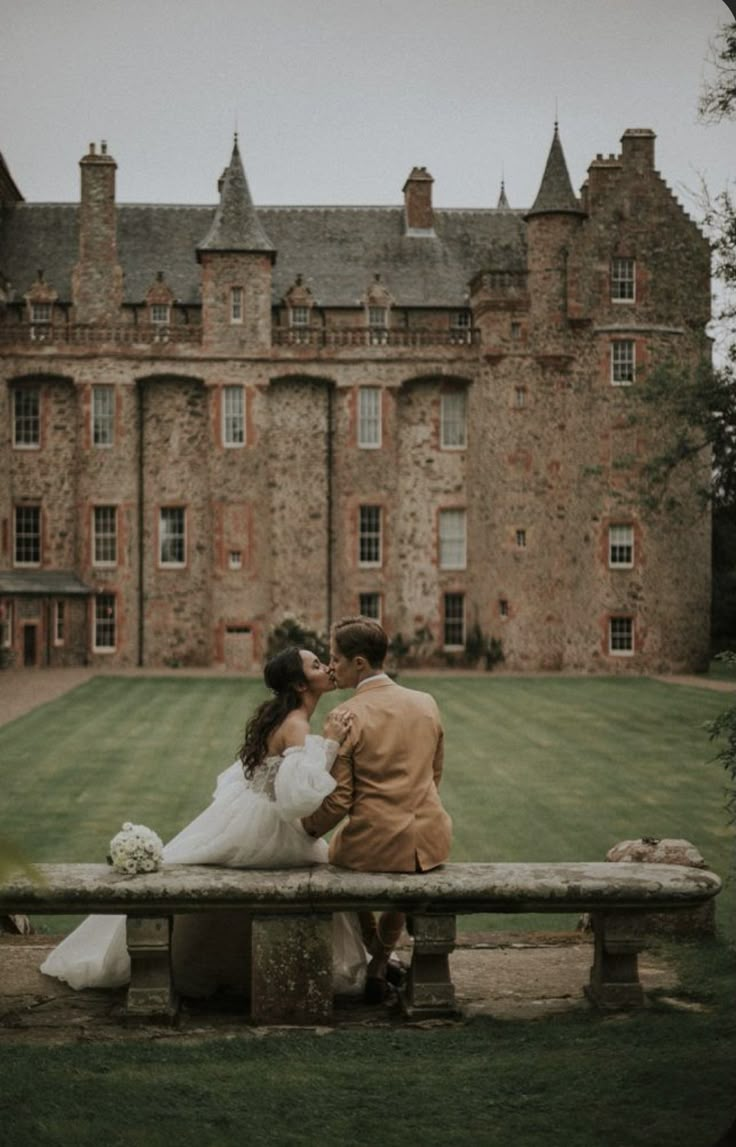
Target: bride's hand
x=337, y=725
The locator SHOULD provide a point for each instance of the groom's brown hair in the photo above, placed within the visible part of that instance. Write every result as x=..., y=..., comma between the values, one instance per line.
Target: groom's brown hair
x=361, y=637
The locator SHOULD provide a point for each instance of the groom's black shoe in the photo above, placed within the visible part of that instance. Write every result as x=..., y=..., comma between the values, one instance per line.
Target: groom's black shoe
x=396, y=974
x=376, y=990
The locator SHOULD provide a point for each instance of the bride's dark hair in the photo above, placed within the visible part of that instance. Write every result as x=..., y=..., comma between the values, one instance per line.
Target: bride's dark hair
x=281, y=674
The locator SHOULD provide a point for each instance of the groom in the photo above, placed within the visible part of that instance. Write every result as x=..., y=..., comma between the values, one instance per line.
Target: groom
x=387, y=772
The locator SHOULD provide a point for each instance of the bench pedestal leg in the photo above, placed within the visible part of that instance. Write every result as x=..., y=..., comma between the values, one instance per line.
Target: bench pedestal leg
x=614, y=977
x=429, y=991
x=151, y=990
x=291, y=969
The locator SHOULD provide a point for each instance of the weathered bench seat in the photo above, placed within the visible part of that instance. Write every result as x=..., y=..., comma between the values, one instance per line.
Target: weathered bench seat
x=291, y=916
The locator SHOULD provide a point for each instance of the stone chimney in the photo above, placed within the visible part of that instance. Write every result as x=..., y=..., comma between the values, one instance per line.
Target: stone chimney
x=418, y=202
x=637, y=148
x=97, y=279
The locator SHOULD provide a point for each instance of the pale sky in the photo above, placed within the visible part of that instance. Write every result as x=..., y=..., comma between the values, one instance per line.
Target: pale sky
x=336, y=100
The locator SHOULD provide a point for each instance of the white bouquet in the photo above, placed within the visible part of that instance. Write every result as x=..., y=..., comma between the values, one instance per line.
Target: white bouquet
x=135, y=849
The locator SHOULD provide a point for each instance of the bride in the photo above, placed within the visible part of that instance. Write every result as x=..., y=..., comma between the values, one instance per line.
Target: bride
x=282, y=774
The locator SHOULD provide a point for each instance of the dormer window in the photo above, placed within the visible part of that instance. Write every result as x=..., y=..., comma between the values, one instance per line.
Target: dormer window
x=299, y=316
x=236, y=305
x=40, y=313
x=623, y=280
x=460, y=326
x=377, y=317
x=160, y=314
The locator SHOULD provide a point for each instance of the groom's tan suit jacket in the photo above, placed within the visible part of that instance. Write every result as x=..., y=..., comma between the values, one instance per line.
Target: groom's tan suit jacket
x=388, y=771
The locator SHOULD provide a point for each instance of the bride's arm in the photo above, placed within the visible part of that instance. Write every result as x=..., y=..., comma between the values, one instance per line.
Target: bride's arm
x=339, y=802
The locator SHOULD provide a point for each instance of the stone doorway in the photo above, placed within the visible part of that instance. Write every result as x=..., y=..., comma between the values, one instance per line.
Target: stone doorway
x=239, y=648
x=30, y=645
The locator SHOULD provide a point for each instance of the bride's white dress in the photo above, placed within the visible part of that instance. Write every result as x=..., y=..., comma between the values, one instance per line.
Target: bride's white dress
x=249, y=824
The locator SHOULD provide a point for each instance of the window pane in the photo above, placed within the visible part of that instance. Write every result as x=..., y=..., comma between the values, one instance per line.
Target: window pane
x=452, y=539
x=6, y=624
x=369, y=416
x=454, y=619
x=453, y=419
x=59, y=622
x=172, y=541
x=105, y=535
x=300, y=316
x=26, y=417
x=370, y=605
x=105, y=635
x=160, y=313
x=622, y=279
x=369, y=542
x=233, y=414
x=621, y=545
x=103, y=415
x=27, y=535
x=621, y=635
x=622, y=361
x=236, y=305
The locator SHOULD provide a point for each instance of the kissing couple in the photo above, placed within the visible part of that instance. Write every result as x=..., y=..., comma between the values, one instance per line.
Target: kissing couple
x=375, y=773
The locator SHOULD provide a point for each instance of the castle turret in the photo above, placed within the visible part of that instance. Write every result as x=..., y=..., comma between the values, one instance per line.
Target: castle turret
x=236, y=257
x=97, y=278
x=553, y=223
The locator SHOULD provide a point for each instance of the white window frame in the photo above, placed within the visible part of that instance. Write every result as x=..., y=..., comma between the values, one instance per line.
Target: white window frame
x=461, y=326
x=104, y=534
x=41, y=313
x=236, y=304
x=6, y=625
x=370, y=534
x=233, y=420
x=103, y=420
x=623, y=362
x=160, y=314
x=620, y=538
x=59, y=621
x=178, y=537
x=100, y=624
x=453, y=423
x=370, y=411
x=521, y=538
x=621, y=629
x=452, y=533
x=623, y=279
x=235, y=560
x=519, y=397
x=29, y=421
x=38, y=534
x=299, y=316
x=446, y=620
x=378, y=600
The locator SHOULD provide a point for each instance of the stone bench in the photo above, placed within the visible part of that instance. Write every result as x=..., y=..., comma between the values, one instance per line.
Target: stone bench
x=291, y=911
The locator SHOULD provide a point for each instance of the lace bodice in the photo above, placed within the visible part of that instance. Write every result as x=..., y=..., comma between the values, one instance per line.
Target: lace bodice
x=263, y=781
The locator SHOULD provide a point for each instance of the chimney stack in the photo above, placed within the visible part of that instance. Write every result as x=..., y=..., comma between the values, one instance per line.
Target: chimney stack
x=97, y=279
x=418, y=202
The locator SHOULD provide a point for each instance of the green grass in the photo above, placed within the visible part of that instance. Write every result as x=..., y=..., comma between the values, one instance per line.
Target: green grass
x=578, y=1079
x=536, y=769
x=543, y=769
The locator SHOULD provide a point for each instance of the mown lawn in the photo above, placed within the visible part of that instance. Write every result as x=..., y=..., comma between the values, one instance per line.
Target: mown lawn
x=536, y=768
x=552, y=768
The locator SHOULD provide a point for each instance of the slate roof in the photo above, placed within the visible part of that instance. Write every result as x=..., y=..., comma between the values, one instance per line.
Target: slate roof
x=555, y=195
x=337, y=250
x=43, y=583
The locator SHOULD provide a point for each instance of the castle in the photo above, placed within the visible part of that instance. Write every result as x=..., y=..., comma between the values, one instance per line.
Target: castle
x=223, y=416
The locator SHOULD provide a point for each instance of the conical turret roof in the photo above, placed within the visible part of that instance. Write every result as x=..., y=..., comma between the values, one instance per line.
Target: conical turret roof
x=236, y=226
x=555, y=195
x=503, y=202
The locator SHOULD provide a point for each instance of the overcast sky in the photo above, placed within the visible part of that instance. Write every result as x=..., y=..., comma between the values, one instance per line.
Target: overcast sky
x=336, y=100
